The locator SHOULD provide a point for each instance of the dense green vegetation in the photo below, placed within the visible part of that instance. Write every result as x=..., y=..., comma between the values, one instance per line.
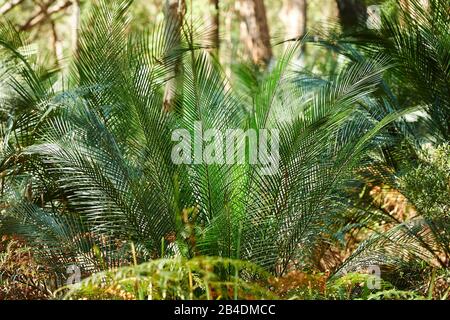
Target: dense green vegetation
x=88, y=182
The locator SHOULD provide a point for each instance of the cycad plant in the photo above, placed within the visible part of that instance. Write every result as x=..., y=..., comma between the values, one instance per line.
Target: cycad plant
x=87, y=169
x=415, y=163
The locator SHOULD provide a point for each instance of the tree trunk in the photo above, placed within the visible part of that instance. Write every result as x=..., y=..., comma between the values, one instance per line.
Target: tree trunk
x=213, y=36
x=57, y=45
x=174, y=15
x=75, y=21
x=294, y=17
x=352, y=13
x=256, y=30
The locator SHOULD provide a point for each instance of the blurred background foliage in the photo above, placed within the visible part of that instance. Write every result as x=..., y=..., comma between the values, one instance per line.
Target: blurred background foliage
x=50, y=23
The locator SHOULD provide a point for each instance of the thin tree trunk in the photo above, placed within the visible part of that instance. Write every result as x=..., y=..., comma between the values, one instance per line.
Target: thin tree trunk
x=214, y=41
x=352, y=13
x=294, y=17
x=228, y=52
x=57, y=45
x=76, y=20
x=174, y=15
x=256, y=30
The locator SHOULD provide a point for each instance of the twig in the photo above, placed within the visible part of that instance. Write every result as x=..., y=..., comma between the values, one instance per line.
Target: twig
x=44, y=14
x=9, y=5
